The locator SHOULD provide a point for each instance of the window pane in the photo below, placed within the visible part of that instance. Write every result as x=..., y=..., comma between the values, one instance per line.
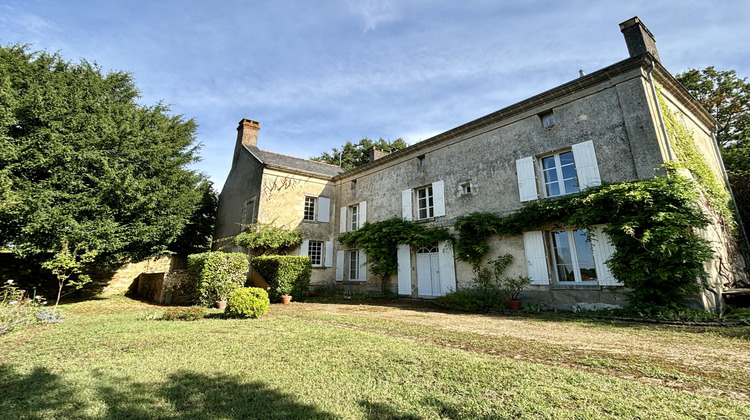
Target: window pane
x=569, y=171
x=566, y=158
x=550, y=175
x=548, y=162
x=585, y=255
x=571, y=186
x=563, y=257
x=553, y=190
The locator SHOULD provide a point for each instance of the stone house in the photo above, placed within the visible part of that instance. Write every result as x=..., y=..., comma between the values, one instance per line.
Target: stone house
x=606, y=126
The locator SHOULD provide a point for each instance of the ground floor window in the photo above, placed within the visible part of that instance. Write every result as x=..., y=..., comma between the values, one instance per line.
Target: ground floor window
x=572, y=256
x=353, y=261
x=315, y=252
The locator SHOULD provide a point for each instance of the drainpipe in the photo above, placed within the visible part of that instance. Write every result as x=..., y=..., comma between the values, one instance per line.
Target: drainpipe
x=670, y=153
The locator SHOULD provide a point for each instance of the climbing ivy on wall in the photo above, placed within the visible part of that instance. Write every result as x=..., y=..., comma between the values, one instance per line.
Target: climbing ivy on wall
x=690, y=157
x=380, y=240
x=651, y=223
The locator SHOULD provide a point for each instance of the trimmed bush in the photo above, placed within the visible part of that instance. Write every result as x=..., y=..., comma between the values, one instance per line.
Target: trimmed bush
x=285, y=274
x=247, y=302
x=216, y=274
x=474, y=300
x=190, y=313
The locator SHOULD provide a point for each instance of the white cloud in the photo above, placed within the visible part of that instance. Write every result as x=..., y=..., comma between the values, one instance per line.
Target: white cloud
x=374, y=12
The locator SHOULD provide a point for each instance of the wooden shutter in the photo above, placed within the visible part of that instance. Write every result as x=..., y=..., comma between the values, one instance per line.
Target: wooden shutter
x=329, y=254
x=362, y=216
x=340, y=265
x=342, y=220
x=324, y=209
x=303, y=249
x=603, y=249
x=362, y=265
x=587, y=169
x=406, y=211
x=404, y=269
x=536, y=259
x=526, y=179
x=447, y=268
x=438, y=198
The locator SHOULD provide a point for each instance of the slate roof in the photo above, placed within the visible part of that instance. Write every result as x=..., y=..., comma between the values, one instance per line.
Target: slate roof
x=294, y=164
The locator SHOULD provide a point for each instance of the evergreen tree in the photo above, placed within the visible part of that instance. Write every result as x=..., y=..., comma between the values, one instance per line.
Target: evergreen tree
x=352, y=155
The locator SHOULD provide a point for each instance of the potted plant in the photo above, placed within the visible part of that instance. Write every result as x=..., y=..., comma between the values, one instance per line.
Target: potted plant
x=512, y=287
x=285, y=298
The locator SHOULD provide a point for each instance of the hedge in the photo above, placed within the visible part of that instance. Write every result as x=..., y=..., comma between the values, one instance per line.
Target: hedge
x=285, y=274
x=216, y=274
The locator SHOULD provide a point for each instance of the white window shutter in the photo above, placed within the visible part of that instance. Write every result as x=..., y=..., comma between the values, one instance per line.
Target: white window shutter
x=329, y=254
x=536, y=260
x=404, y=269
x=342, y=220
x=587, y=169
x=362, y=265
x=526, y=179
x=406, y=211
x=603, y=250
x=438, y=198
x=340, y=266
x=362, y=216
x=303, y=249
x=447, y=268
x=324, y=209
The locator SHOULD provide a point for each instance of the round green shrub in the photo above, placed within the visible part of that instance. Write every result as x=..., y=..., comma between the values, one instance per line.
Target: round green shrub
x=247, y=302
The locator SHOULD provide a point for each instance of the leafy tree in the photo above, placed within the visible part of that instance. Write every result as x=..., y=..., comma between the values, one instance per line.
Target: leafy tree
x=81, y=162
x=68, y=266
x=727, y=97
x=196, y=236
x=352, y=155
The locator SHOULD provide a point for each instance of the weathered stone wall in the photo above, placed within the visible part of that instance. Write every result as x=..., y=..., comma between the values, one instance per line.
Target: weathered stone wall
x=243, y=183
x=118, y=280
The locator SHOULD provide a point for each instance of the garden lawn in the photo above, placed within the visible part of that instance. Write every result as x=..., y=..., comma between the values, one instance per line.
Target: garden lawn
x=399, y=360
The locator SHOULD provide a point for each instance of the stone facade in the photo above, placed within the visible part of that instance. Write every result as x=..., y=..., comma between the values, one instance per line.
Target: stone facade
x=605, y=127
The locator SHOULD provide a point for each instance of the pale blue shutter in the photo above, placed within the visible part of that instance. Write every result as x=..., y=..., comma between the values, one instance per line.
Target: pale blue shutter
x=406, y=211
x=324, y=209
x=603, y=249
x=342, y=220
x=438, y=198
x=536, y=259
x=329, y=254
x=362, y=265
x=587, y=169
x=303, y=249
x=404, y=269
x=362, y=216
x=526, y=179
x=340, y=266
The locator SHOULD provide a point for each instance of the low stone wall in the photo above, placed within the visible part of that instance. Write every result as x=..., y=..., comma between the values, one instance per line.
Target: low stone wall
x=118, y=280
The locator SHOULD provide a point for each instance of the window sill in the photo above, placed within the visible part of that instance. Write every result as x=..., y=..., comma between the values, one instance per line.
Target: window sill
x=350, y=281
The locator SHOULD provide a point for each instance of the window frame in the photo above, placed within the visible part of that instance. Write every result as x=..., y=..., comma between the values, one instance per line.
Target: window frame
x=316, y=247
x=310, y=211
x=575, y=258
x=428, y=200
x=559, y=182
x=353, y=217
x=352, y=261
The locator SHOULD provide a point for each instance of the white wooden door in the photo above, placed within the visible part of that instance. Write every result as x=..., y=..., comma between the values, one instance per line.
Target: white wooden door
x=428, y=271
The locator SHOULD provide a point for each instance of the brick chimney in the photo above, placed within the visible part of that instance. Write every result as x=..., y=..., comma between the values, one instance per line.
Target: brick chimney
x=247, y=132
x=638, y=38
x=376, y=153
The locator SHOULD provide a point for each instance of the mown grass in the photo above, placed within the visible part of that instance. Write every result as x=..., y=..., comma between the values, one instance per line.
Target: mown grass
x=108, y=362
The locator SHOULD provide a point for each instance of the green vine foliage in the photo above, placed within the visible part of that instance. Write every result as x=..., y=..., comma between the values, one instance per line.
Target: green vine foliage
x=690, y=157
x=266, y=239
x=380, y=240
x=651, y=222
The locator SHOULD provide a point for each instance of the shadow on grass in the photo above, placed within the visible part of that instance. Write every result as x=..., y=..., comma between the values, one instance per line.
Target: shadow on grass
x=182, y=396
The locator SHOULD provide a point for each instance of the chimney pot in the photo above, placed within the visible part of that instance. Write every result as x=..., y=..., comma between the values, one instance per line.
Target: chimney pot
x=638, y=38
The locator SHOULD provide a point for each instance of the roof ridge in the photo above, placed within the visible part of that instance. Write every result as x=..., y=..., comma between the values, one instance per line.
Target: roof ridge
x=299, y=158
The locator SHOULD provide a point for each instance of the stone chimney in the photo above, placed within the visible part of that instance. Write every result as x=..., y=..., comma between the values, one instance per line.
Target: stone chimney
x=247, y=133
x=638, y=38
x=376, y=153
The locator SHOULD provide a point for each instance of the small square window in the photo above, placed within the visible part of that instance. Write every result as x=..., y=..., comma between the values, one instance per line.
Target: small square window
x=421, y=161
x=548, y=119
x=353, y=184
x=466, y=188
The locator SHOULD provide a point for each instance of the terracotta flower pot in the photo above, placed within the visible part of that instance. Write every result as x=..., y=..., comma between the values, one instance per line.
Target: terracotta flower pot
x=221, y=304
x=514, y=304
x=285, y=299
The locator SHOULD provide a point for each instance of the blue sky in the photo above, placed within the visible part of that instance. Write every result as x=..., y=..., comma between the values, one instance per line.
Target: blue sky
x=316, y=74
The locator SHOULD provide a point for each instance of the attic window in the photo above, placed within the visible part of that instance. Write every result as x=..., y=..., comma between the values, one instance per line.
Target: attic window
x=421, y=162
x=353, y=184
x=548, y=119
x=466, y=188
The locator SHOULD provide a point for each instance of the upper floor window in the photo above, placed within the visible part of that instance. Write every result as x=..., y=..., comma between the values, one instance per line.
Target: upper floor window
x=548, y=119
x=559, y=172
x=310, y=205
x=421, y=162
x=317, y=209
x=425, y=203
x=354, y=217
x=466, y=188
